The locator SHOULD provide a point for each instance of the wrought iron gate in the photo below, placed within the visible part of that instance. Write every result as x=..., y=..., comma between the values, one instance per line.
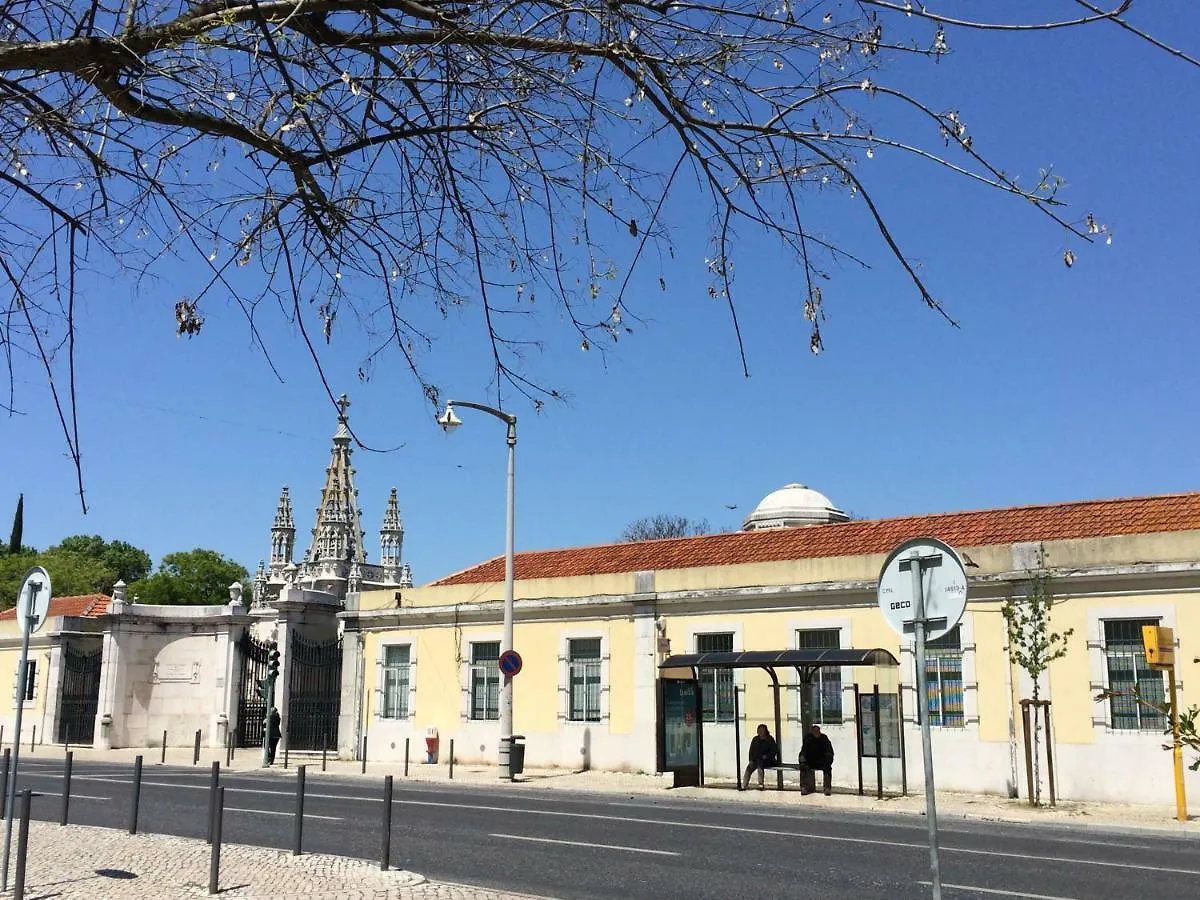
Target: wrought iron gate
x=314, y=693
x=80, y=695
x=252, y=709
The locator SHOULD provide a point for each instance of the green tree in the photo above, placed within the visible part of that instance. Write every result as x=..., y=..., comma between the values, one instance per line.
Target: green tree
x=1033, y=646
x=71, y=574
x=129, y=562
x=193, y=577
x=14, y=540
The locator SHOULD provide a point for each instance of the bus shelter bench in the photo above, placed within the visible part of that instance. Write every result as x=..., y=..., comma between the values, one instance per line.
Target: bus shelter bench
x=781, y=768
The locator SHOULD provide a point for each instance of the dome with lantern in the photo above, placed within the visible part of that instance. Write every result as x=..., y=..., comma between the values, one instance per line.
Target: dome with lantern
x=793, y=506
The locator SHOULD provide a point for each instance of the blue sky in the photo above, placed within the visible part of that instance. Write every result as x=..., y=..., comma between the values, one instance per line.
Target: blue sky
x=1060, y=384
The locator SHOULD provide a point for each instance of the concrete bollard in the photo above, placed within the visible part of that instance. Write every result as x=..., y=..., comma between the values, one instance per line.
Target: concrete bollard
x=214, y=827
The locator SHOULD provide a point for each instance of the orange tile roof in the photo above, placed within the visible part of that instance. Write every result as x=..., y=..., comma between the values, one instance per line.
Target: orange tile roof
x=87, y=606
x=1064, y=521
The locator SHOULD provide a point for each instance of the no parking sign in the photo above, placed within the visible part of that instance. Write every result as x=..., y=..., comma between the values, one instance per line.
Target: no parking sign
x=510, y=663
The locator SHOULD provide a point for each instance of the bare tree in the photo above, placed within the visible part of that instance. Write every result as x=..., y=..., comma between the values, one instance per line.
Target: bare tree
x=663, y=525
x=390, y=163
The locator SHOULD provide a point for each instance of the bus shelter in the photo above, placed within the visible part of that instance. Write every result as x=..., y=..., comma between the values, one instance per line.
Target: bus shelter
x=878, y=714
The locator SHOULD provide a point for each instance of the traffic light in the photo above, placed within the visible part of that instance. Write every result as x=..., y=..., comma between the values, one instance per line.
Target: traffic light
x=273, y=663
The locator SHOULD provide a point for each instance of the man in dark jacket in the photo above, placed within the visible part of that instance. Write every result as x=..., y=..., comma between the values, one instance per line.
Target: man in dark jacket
x=816, y=753
x=763, y=752
x=273, y=733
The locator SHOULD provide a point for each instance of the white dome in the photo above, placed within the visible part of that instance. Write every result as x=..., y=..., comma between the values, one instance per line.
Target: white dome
x=793, y=506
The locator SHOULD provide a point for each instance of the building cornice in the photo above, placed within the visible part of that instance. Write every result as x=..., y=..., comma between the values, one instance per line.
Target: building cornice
x=1139, y=578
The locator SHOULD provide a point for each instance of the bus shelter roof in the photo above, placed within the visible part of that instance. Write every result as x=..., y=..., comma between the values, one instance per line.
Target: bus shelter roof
x=766, y=659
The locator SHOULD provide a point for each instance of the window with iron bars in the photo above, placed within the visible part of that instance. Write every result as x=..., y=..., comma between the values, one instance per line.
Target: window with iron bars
x=716, y=685
x=396, y=664
x=824, y=695
x=1125, y=659
x=485, y=680
x=583, y=664
x=944, y=681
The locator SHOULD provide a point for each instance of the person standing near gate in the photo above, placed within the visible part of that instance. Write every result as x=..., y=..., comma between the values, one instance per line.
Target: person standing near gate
x=273, y=734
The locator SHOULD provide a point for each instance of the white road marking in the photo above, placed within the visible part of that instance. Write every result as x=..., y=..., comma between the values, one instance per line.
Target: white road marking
x=276, y=812
x=74, y=796
x=539, y=840
x=705, y=826
x=997, y=891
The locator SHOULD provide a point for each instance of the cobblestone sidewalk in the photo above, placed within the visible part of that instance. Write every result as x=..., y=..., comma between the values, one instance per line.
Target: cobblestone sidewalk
x=79, y=862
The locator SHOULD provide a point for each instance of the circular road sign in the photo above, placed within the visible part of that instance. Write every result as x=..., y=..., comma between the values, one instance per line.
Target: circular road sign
x=34, y=600
x=510, y=663
x=943, y=579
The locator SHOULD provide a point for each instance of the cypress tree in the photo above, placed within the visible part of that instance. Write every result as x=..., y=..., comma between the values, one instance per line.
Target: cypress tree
x=14, y=541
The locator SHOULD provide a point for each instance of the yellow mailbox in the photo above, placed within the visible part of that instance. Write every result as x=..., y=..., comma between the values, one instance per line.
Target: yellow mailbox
x=1160, y=646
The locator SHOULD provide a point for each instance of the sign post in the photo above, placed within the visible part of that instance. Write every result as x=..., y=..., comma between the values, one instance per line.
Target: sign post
x=1159, y=644
x=923, y=590
x=33, y=605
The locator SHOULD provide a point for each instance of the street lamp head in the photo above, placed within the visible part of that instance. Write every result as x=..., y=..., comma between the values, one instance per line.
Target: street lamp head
x=448, y=420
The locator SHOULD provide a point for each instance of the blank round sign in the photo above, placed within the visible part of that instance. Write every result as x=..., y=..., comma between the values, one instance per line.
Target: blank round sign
x=944, y=586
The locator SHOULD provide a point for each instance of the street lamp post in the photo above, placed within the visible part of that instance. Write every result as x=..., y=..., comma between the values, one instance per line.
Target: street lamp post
x=449, y=421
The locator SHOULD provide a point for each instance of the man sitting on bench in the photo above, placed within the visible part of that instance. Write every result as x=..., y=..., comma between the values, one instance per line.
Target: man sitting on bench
x=816, y=752
x=763, y=752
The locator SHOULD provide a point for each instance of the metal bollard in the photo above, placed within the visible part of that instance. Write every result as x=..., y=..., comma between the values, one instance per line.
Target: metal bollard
x=66, y=787
x=7, y=764
x=364, y=759
x=214, y=785
x=229, y=751
x=285, y=756
x=385, y=862
x=137, y=794
x=196, y=750
x=163, y=760
x=22, y=845
x=32, y=738
x=214, y=827
x=451, y=759
x=298, y=833
x=324, y=751
x=406, y=757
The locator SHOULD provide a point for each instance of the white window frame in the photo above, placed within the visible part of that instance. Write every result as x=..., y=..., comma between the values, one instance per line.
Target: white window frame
x=564, y=674
x=381, y=685
x=970, y=682
x=469, y=686
x=820, y=681
x=733, y=642
x=1098, y=659
x=32, y=680
x=843, y=626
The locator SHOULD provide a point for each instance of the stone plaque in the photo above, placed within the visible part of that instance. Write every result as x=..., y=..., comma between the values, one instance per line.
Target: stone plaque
x=189, y=672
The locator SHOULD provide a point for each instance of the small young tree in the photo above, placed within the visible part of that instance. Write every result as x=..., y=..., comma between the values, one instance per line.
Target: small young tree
x=1033, y=646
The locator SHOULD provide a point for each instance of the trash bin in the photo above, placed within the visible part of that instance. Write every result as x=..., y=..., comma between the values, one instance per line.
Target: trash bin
x=516, y=755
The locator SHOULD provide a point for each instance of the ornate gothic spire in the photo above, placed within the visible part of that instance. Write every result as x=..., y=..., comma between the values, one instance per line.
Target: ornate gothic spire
x=283, y=532
x=391, y=538
x=338, y=534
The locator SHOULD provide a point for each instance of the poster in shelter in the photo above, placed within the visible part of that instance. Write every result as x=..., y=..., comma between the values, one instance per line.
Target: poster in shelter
x=889, y=725
x=681, y=738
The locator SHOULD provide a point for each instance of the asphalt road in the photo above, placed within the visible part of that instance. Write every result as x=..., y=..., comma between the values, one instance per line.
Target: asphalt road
x=579, y=847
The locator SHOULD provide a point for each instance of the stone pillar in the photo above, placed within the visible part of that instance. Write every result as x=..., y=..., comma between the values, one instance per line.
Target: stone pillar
x=645, y=685
x=350, y=721
x=223, y=718
x=110, y=706
x=49, y=725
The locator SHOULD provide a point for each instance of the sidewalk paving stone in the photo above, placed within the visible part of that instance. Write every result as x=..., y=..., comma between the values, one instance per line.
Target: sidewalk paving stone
x=80, y=862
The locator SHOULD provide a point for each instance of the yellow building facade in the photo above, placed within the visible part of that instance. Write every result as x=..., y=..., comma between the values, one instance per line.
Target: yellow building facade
x=592, y=625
